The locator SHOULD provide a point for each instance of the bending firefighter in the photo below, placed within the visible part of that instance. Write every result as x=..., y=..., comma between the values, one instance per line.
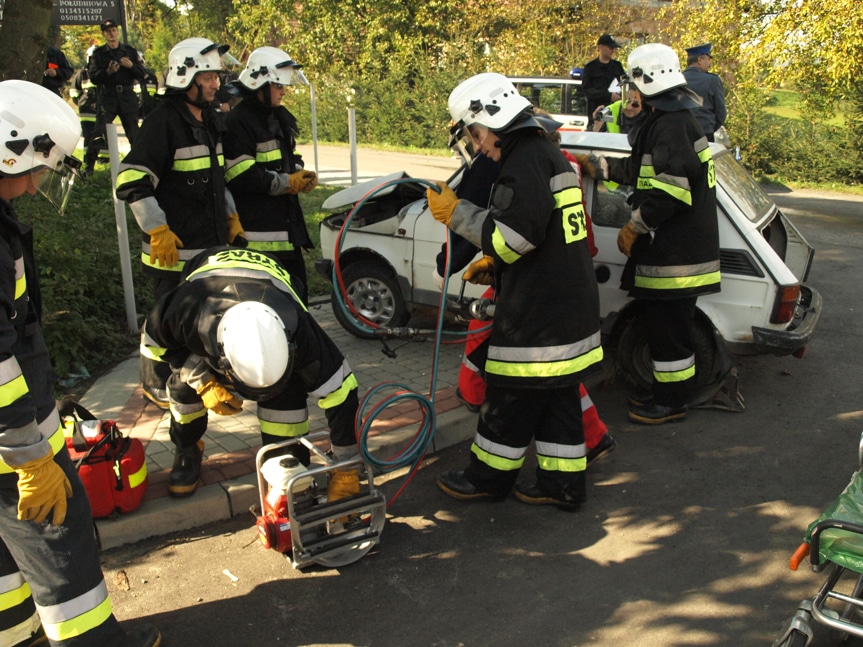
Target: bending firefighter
x=51, y=583
x=235, y=329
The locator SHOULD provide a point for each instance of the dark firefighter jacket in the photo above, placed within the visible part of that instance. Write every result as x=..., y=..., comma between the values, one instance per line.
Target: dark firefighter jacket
x=29, y=421
x=83, y=93
x=174, y=175
x=672, y=170
x=260, y=153
x=181, y=329
x=546, y=323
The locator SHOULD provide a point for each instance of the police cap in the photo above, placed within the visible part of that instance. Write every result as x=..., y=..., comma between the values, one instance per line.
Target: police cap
x=608, y=40
x=107, y=24
x=699, y=50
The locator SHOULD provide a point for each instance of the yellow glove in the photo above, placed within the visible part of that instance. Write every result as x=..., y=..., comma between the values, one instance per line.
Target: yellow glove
x=298, y=181
x=592, y=165
x=442, y=203
x=481, y=271
x=163, y=246
x=42, y=486
x=218, y=399
x=626, y=237
x=312, y=181
x=235, y=227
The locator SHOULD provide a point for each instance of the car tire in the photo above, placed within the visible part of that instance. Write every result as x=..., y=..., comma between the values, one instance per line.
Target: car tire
x=635, y=363
x=375, y=294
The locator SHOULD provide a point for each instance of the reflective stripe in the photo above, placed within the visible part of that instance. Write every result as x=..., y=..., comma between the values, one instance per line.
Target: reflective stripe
x=12, y=383
x=138, y=477
x=557, y=464
x=130, y=174
x=50, y=428
x=287, y=424
x=544, y=361
x=574, y=221
x=338, y=396
x=559, y=450
x=145, y=259
x=238, y=167
x=270, y=245
x=187, y=413
x=13, y=591
x=676, y=371
x=150, y=349
x=77, y=616
x=509, y=244
x=20, y=278
x=677, y=277
x=497, y=456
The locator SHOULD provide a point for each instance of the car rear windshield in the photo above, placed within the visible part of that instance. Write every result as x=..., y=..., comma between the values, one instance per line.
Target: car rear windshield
x=742, y=187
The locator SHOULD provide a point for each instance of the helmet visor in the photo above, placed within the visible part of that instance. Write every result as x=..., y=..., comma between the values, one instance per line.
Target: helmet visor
x=56, y=185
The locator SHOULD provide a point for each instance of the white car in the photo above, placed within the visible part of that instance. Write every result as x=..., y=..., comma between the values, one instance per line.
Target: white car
x=765, y=306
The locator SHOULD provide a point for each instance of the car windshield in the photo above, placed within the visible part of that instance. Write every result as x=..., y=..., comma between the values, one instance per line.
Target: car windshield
x=742, y=187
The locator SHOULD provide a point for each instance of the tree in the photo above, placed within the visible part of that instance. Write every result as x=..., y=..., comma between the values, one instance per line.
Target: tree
x=24, y=39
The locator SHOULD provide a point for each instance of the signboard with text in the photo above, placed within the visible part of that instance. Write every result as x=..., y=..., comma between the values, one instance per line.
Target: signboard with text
x=80, y=12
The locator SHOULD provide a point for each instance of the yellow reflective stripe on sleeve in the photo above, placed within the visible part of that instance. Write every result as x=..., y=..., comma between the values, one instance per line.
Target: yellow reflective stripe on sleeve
x=504, y=252
x=13, y=591
x=676, y=192
x=497, y=462
x=129, y=175
x=677, y=282
x=57, y=439
x=11, y=391
x=707, y=157
x=76, y=617
x=238, y=169
x=338, y=396
x=271, y=245
x=558, y=464
x=197, y=164
x=138, y=477
x=20, y=278
x=544, y=369
x=268, y=156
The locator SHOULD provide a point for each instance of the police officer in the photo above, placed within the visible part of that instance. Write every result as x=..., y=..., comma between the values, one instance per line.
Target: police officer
x=51, y=583
x=263, y=169
x=235, y=328
x=711, y=113
x=672, y=239
x=545, y=337
x=174, y=180
x=116, y=69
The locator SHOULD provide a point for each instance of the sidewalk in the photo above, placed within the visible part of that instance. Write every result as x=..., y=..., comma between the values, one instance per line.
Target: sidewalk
x=229, y=483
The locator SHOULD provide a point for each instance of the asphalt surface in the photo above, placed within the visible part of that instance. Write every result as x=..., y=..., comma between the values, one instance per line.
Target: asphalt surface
x=684, y=540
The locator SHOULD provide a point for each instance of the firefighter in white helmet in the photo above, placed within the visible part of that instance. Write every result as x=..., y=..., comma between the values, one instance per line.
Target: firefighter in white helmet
x=263, y=169
x=235, y=329
x=672, y=239
x=51, y=582
x=174, y=180
x=545, y=337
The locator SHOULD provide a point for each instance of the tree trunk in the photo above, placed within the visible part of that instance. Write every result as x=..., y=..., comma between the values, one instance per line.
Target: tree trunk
x=24, y=39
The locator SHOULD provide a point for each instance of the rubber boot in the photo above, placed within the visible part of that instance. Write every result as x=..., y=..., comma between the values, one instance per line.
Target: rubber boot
x=144, y=635
x=183, y=480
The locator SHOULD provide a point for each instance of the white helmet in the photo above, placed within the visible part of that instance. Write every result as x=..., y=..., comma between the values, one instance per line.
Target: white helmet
x=38, y=130
x=254, y=347
x=271, y=65
x=190, y=56
x=489, y=100
x=654, y=68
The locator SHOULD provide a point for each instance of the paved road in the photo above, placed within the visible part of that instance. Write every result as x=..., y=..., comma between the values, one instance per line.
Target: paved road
x=684, y=540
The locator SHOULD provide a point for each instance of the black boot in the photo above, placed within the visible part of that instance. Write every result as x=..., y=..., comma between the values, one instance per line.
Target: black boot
x=183, y=480
x=531, y=494
x=657, y=414
x=456, y=485
x=605, y=446
x=144, y=635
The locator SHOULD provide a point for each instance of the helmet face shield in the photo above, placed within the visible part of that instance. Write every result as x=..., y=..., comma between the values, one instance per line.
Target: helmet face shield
x=56, y=185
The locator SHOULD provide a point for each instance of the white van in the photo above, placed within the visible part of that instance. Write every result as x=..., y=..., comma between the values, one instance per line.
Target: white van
x=765, y=306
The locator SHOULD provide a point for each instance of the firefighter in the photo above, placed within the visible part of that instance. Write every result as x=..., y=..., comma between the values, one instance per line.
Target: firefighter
x=51, y=582
x=263, y=169
x=116, y=69
x=174, y=181
x=83, y=94
x=672, y=238
x=235, y=328
x=545, y=337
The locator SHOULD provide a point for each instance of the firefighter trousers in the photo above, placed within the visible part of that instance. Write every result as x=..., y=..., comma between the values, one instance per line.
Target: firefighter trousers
x=57, y=567
x=669, y=326
x=509, y=420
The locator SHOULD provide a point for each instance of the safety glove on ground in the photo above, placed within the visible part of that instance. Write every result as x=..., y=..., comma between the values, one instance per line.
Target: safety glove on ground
x=163, y=246
x=218, y=399
x=626, y=238
x=343, y=483
x=298, y=181
x=235, y=228
x=480, y=272
x=42, y=487
x=442, y=203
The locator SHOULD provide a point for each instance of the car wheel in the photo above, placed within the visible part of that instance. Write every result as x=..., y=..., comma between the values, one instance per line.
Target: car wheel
x=635, y=363
x=375, y=294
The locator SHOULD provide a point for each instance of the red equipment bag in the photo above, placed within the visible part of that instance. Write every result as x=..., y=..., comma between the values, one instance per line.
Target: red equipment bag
x=112, y=466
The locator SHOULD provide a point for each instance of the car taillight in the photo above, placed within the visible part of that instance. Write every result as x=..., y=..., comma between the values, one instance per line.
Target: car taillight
x=786, y=304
